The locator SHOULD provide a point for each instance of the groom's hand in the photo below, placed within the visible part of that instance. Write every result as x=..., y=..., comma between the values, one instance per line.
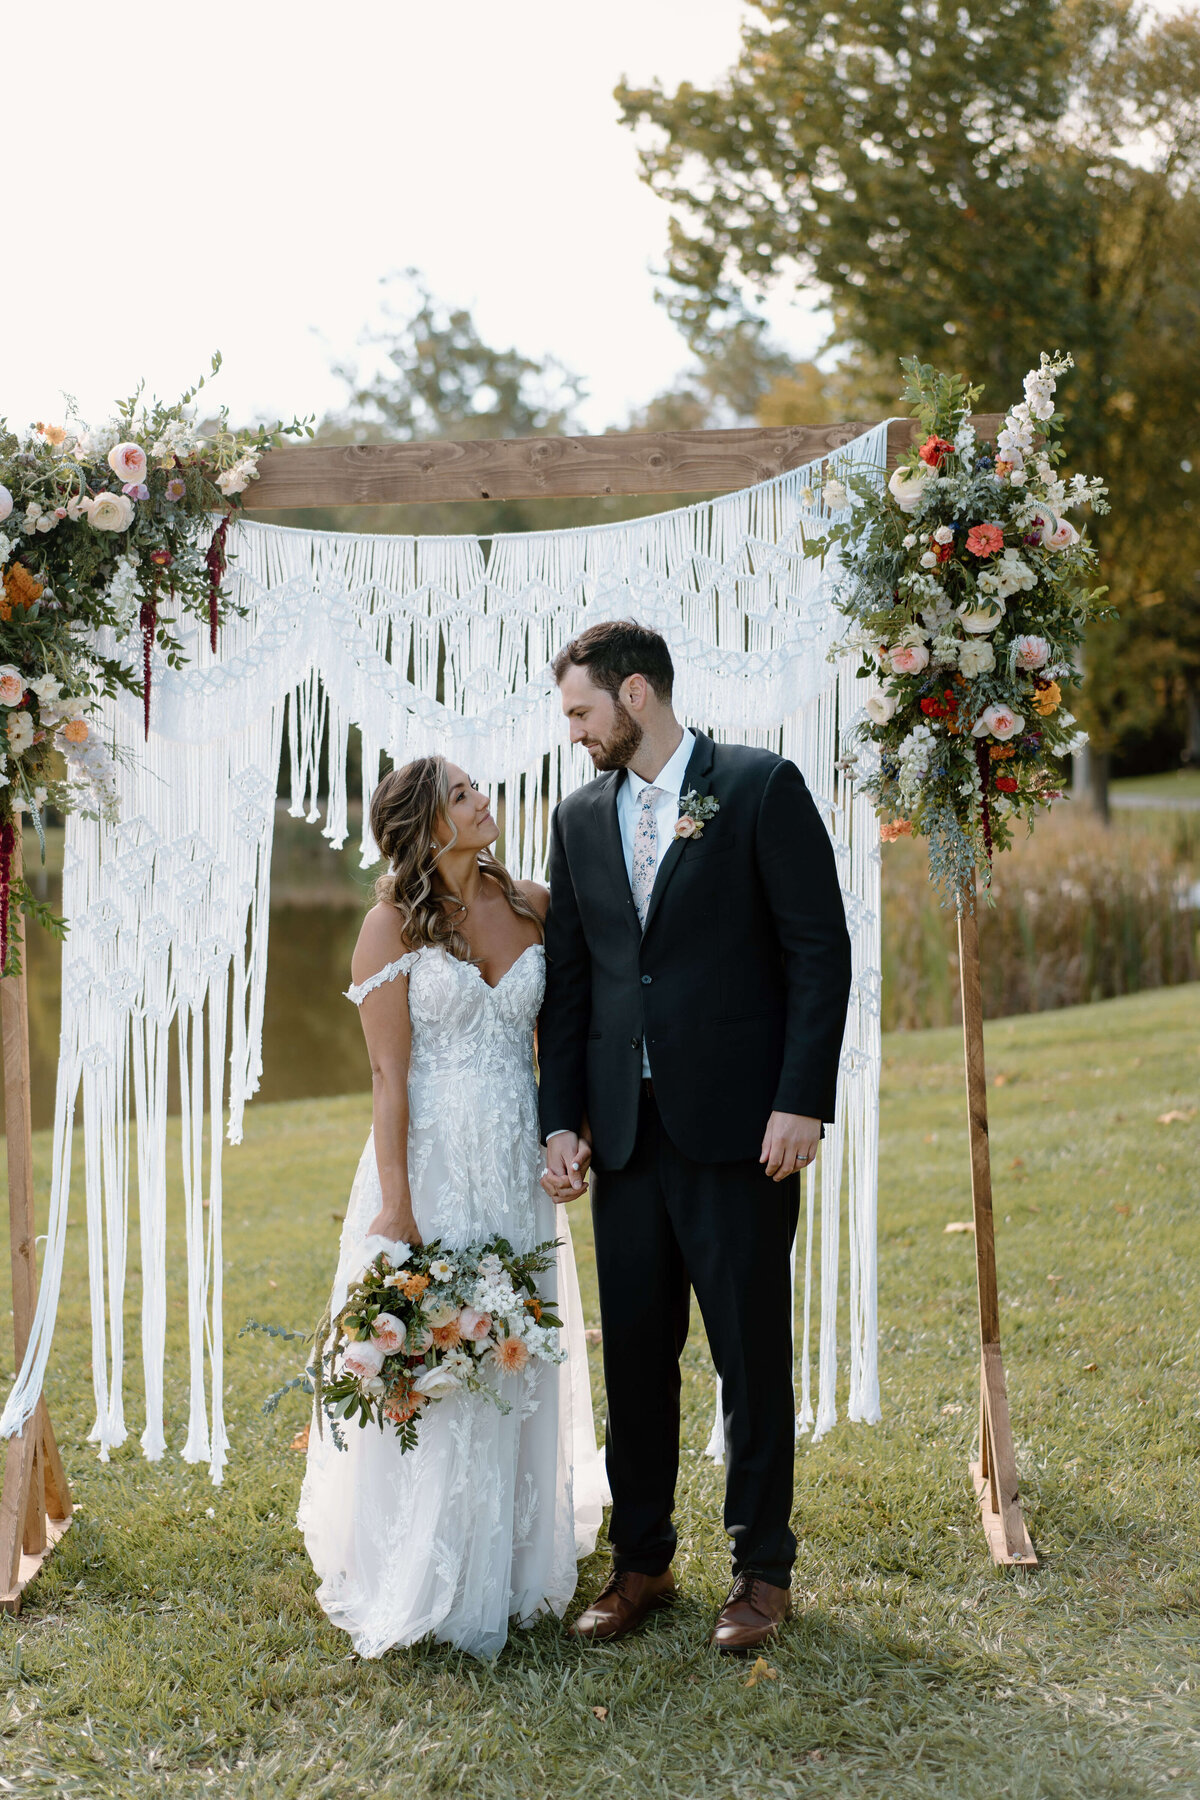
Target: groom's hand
x=790, y=1144
x=567, y=1159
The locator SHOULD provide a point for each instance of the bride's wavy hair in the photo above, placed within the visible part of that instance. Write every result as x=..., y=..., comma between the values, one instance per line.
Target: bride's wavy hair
x=406, y=808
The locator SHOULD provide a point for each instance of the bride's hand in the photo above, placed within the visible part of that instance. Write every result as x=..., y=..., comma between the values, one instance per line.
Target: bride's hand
x=395, y=1226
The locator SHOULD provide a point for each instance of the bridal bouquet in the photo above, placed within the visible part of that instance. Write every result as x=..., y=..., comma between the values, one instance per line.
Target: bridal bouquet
x=970, y=589
x=423, y=1323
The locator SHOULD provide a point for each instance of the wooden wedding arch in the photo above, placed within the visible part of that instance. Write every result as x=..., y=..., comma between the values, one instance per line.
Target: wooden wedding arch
x=35, y=1504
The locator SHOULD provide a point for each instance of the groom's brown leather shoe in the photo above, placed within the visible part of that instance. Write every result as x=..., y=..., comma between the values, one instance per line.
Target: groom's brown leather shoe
x=753, y=1613
x=622, y=1604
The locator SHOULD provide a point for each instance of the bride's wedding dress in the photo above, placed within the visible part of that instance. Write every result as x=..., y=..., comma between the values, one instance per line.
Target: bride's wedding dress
x=485, y=1519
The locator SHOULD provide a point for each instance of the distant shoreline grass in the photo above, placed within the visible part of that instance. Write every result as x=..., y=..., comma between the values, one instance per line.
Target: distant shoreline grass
x=172, y=1646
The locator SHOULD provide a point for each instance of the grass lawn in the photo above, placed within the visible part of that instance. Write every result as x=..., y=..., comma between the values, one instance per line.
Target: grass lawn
x=1171, y=784
x=172, y=1645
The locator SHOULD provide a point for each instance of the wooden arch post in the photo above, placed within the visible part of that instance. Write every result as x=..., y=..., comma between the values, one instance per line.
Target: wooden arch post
x=35, y=1508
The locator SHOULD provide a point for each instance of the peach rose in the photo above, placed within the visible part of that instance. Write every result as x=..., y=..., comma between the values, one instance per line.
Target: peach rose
x=909, y=659
x=363, y=1361
x=685, y=827
x=999, y=721
x=473, y=1325
x=895, y=828
x=1031, y=652
x=389, y=1333
x=1058, y=534
x=12, y=687
x=128, y=461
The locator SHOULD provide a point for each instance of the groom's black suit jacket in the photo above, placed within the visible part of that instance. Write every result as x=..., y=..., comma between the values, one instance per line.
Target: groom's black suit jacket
x=739, y=982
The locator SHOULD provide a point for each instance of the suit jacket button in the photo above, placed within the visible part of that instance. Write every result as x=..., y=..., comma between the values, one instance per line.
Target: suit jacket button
x=635, y=1043
x=646, y=980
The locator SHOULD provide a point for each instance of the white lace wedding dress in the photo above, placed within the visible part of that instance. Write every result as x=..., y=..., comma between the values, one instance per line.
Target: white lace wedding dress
x=485, y=1519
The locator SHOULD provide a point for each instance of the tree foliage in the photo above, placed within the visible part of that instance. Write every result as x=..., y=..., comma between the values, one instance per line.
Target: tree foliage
x=977, y=182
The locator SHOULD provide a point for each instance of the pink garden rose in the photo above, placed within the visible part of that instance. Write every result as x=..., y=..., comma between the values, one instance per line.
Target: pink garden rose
x=998, y=721
x=128, y=461
x=389, y=1333
x=1031, y=653
x=12, y=687
x=474, y=1326
x=1058, y=534
x=363, y=1360
x=909, y=659
x=685, y=827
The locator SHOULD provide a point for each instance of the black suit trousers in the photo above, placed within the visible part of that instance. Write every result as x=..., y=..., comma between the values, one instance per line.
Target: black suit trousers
x=663, y=1225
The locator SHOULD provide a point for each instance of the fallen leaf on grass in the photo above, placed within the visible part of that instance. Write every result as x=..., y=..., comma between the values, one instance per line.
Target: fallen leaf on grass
x=601, y=1712
x=272, y=1284
x=953, y=1407
x=1176, y=1117
x=1018, y=1162
x=300, y=1441
x=1053, y=1278
x=593, y=1335
x=762, y=1671
x=1090, y=1368
x=960, y=1225
x=1120, y=1207
x=337, y=1217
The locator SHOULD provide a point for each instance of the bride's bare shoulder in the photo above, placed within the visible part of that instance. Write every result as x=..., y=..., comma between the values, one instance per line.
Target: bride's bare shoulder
x=537, y=896
x=381, y=940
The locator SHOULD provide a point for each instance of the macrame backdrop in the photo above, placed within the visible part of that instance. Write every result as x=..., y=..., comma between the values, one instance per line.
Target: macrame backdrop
x=423, y=645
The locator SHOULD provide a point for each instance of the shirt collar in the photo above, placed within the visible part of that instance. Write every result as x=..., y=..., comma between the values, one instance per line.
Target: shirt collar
x=670, y=777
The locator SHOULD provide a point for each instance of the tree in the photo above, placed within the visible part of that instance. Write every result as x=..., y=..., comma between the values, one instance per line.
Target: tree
x=994, y=179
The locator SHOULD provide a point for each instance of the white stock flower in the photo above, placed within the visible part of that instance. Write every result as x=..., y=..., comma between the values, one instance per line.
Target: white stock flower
x=1008, y=574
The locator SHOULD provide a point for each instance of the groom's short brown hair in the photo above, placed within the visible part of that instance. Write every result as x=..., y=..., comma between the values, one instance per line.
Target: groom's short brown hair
x=614, y=651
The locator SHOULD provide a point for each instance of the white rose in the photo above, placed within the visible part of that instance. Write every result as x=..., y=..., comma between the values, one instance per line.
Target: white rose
x=907, y=486
x=976, y=657
x=979, y=620
x=943, y=535
x=128, y=461
x=1019, y=477
x=929, y=560
x=910, y=540
x=881, y=707
x=374, y=1385
x=437, y=1382
x=6, y=503
x=110, y=512
x=835, y=496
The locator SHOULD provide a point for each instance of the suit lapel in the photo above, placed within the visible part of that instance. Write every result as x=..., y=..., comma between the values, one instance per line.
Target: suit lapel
x=698, y=776
x=608, y=836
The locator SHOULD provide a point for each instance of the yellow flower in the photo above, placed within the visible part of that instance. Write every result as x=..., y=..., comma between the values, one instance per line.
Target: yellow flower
x=1047, y=699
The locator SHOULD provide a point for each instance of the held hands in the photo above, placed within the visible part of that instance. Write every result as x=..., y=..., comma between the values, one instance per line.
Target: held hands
x=567, y=1160
x=789, y=1145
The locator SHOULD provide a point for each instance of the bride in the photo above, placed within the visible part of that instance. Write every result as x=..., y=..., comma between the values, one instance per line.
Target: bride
x=484, y=1520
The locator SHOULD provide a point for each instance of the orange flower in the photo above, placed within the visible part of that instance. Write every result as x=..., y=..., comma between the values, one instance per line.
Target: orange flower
x=1047, y=699
x=1001, y=752
x=75, y=731
x=511, y=1354
x=53, y=434
x=535, y=1307
x=413, y=1286
x=401, y=1405
x=447, y=1336
x=897, y=828
x=20, y=587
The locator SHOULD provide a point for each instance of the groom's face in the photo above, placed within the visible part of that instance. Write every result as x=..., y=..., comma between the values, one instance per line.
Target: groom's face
x=600, y=721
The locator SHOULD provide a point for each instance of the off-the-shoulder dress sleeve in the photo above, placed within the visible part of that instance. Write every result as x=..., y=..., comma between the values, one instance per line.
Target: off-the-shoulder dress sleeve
x=358, y=990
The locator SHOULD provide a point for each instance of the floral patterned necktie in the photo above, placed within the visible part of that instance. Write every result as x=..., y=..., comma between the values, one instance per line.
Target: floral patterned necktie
x=645, y=852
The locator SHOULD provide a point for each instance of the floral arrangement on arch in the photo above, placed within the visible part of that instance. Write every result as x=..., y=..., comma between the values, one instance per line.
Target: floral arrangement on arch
x=970, y=589
x=102, y=533
x=420, y=1325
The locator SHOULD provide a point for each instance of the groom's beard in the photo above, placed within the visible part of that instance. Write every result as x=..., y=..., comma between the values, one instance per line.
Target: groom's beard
x=621, y=745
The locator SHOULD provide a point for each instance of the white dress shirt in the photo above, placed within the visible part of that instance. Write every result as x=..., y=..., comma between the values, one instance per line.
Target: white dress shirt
x=666, y=811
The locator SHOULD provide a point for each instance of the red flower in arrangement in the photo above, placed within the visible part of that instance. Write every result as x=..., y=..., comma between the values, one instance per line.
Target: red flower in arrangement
x=935, y=450
x=943, y=708
x=162, y=558
x=943, y=552
x=985, y=540
x=1007, y=784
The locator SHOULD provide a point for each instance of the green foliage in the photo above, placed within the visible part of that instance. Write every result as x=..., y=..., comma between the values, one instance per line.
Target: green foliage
x=1005, y=176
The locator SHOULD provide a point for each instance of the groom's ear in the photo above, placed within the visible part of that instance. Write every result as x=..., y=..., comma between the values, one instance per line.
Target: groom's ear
x=633, y=692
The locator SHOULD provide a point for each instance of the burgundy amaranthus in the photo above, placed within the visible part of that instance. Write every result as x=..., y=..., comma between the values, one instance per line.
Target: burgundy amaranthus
x=148, y=620
x=984, y=765
x=214, y=562
x=8, y=843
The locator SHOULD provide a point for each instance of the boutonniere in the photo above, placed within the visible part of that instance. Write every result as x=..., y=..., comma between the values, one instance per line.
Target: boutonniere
x=695, y=810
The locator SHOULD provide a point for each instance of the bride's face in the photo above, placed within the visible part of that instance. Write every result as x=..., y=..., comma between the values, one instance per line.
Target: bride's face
x=467, y=813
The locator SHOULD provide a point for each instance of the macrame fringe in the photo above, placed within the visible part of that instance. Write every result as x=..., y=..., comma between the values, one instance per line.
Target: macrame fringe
x=421, y=645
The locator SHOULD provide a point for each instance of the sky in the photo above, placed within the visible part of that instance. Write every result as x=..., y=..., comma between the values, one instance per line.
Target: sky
x=245, y=187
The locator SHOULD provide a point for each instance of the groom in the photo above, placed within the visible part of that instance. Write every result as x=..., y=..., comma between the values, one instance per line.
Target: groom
x=698, y=969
